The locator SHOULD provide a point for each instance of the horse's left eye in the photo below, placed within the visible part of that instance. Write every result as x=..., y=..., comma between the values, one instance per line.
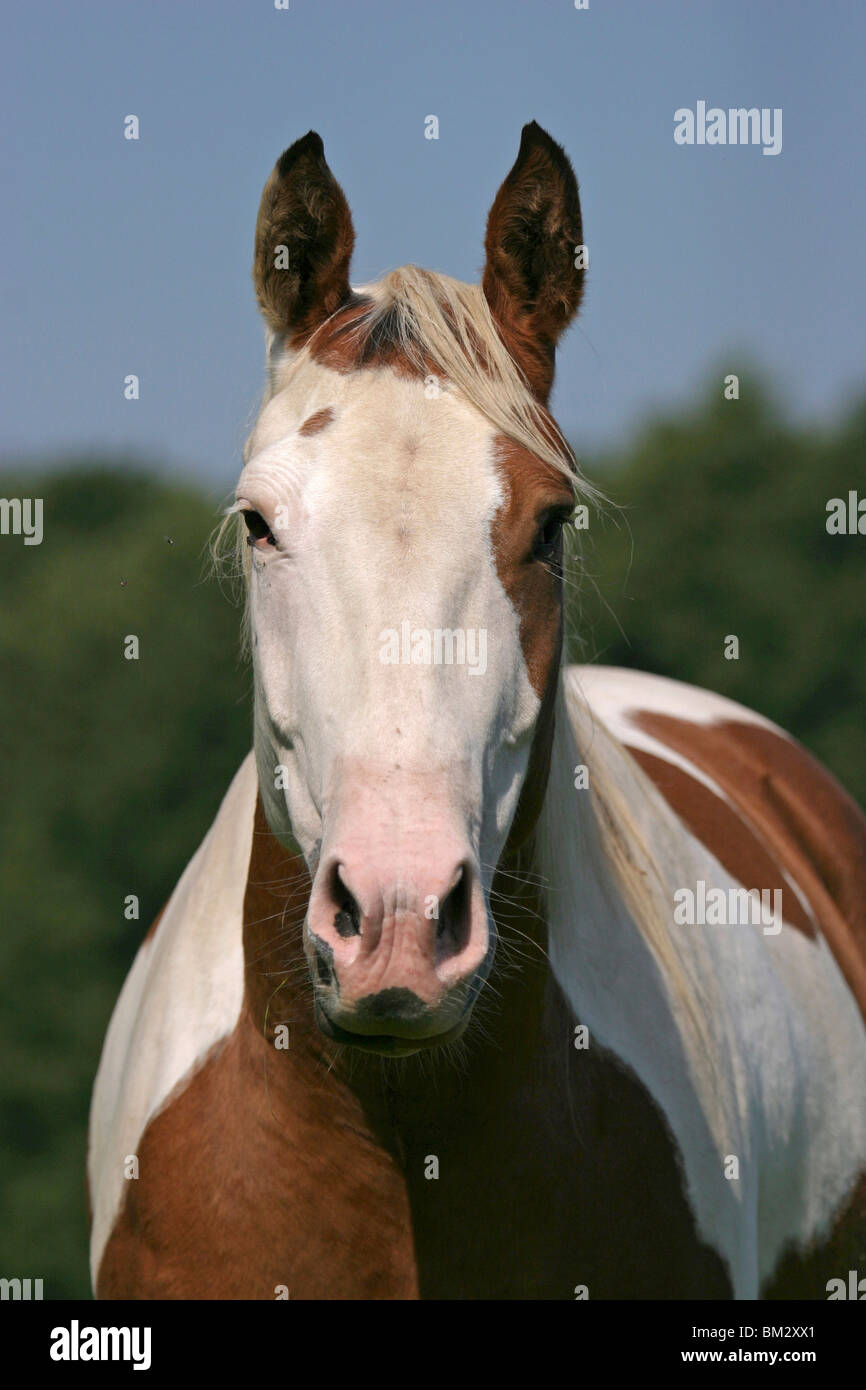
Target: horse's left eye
x=548, y=537
x=257, y=528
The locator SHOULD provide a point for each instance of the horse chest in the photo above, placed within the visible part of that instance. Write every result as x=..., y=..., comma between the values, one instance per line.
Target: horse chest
x=564, y=1181
x=570, y=1182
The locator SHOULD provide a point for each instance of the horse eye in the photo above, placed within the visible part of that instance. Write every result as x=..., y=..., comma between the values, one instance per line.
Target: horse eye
x=257, y=528
x=548, y=537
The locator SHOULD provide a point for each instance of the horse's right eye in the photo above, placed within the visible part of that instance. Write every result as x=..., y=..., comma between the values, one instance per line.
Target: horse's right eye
x=257, y=529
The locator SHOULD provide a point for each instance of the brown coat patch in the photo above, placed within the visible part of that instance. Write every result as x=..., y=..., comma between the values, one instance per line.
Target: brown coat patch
x=316, y=422
x=798, y=811
x=731, y=838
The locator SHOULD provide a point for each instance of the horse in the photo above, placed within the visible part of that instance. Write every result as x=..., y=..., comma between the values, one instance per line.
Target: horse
x=473, y=988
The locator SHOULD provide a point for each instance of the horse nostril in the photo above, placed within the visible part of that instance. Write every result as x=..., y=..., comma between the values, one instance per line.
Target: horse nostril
x=452, y=928
x=347, y=919
x=324, y=960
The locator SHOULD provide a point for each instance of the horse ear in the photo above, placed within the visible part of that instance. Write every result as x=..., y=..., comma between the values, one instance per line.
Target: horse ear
x=304, y=241
x=531, y=280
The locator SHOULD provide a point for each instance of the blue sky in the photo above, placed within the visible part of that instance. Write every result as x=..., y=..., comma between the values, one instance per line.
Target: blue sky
x=125, y=256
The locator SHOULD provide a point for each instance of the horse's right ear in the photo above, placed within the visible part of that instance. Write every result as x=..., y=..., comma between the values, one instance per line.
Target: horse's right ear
x=304, y=241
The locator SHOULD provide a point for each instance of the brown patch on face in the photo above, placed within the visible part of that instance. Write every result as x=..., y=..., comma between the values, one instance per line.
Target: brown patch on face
x=354, y=339
x=718, y=826
x=807, y=821
x=335, y=344
x=316, y=422
x=536, y=595
x=535, y=592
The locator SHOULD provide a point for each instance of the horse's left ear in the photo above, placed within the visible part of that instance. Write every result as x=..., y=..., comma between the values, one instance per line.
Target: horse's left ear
x=533, y=278
x=304, y=241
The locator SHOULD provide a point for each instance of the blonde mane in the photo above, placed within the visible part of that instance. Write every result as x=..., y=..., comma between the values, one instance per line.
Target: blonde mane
x=429, y=317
